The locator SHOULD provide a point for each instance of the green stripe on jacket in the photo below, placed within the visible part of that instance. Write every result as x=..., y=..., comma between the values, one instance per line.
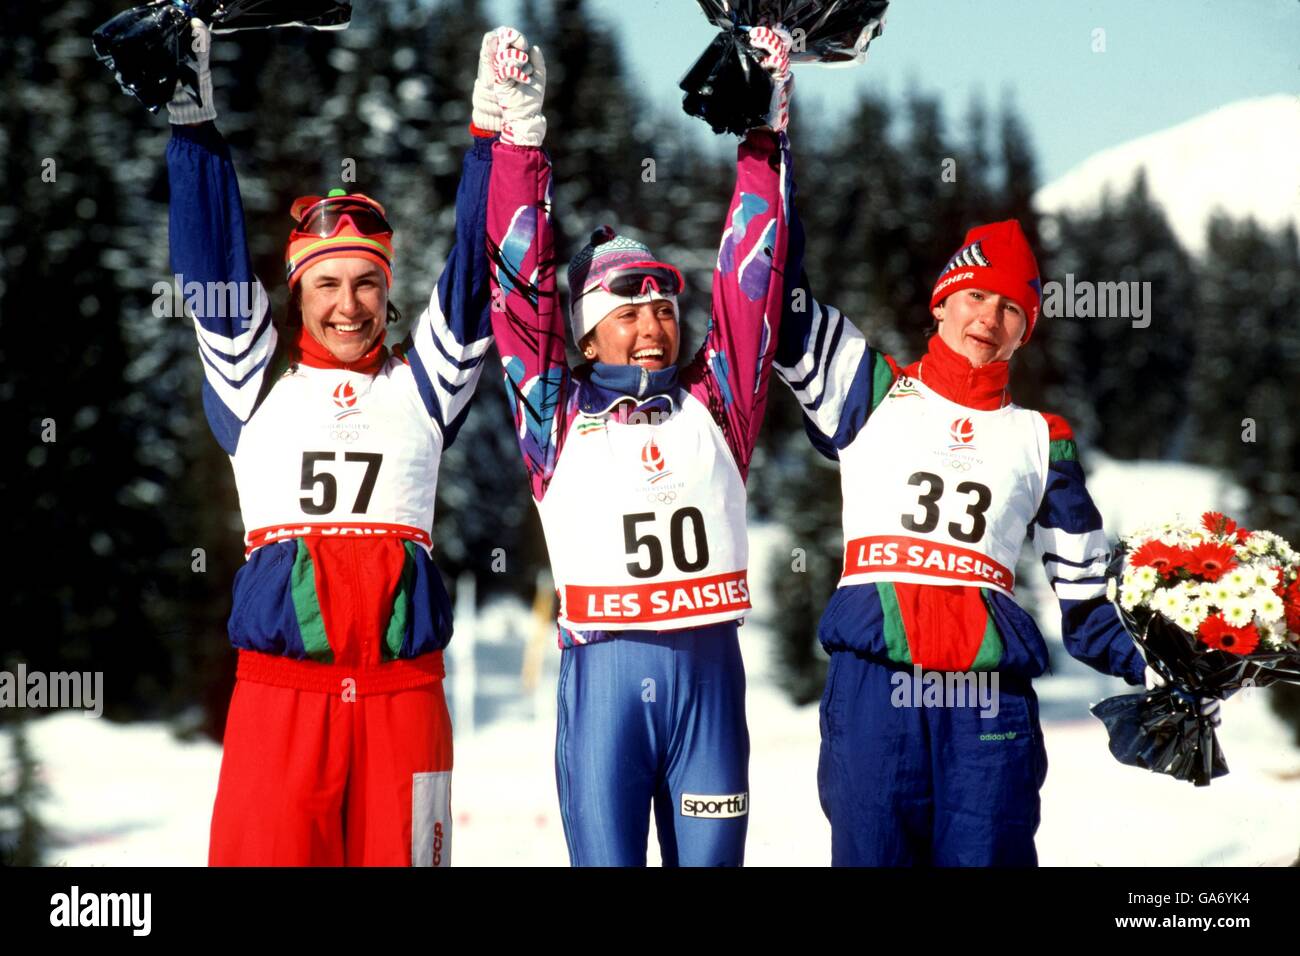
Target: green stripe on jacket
x=306, y=604
x=396, y=632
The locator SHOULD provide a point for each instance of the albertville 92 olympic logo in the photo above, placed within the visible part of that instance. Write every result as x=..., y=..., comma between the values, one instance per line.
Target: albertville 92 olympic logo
x=653, y=461
x=345, y=397
x=963, y=433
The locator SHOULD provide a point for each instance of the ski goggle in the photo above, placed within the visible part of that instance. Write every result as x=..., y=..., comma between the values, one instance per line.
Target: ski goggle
x=638, y=278
x=322, y=217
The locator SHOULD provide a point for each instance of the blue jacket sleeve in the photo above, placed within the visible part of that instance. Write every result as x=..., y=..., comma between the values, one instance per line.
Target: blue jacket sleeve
x=451, y=337
x=822, y=357
x=1068, y=538
x=209, y=252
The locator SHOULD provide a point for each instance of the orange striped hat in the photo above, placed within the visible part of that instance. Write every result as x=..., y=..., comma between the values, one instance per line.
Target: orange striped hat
x=339, y=225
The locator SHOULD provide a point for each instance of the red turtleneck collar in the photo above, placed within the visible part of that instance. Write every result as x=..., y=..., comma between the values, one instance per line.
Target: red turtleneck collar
x=952, y=376
x=311, y=353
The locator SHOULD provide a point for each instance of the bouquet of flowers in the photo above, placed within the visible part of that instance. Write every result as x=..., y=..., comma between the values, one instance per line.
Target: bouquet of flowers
x=1214, y=608
x=148, y=48
x=727, y=88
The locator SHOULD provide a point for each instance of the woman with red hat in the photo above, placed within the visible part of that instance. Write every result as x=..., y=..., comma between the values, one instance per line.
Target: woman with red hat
x=931, y=751
x=338, y=744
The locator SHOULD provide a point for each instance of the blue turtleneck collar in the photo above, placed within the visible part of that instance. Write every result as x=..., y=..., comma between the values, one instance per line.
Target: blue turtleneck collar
x=602, y=386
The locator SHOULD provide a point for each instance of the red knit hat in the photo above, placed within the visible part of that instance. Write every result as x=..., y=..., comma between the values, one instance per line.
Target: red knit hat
x=995, y=257
x=357, y=228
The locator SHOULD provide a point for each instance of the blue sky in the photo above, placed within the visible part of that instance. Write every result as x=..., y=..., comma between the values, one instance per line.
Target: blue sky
x=1165, y=61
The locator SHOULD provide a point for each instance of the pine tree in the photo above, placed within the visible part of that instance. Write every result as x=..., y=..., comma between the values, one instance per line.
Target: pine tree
x=1243, y=383
x=89, y=452
x=1113, y=378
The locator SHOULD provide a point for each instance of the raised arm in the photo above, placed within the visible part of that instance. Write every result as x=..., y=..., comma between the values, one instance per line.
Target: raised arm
x=526, y=316
x=450, y=338
x=730, y=372
x=836, y=377
x=209, y=251
x=525, y=312
x=1068, y=538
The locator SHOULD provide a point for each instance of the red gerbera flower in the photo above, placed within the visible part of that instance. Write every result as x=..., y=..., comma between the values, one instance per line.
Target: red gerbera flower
x=1219, y=635
x=1166, y=559
x=1211, y=560
x=1291, y=605
x=1215, y=523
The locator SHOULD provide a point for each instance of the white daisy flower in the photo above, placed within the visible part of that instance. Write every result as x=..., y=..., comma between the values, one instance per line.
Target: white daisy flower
x=1273, y=634
x=1112, y=588
x=1266, y=576
x=1129, y=598
x=1198, y=611
x=1168, y=603
x=1219, y=593
x=1238, y=613
x=1238, y=579
x=1146, y=577
x=1267, y=605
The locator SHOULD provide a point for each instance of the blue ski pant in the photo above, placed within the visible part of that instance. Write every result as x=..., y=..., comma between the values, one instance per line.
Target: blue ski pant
x=654, y=720
x=946, y=785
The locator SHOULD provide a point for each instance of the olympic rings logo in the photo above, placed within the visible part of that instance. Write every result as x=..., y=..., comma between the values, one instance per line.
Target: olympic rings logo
x=958, y=465
x=344, y=434
x=663, y=497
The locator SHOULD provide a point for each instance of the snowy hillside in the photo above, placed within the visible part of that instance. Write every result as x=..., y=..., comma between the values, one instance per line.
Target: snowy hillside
x=1240, y=157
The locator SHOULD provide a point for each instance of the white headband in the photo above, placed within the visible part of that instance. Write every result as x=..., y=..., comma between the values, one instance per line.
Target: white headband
x=587, y=311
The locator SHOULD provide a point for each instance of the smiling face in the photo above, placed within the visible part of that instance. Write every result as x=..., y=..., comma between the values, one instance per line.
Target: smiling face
x=983, y=326
x=344, y=305
x=645, y=335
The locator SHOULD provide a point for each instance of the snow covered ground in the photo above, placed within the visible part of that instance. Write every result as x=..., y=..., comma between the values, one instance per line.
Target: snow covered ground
x=133, y=795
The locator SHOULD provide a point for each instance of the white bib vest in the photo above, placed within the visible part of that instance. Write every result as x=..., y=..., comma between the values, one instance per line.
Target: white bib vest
x=645, y=524
x=939, y=493
x=335, y=452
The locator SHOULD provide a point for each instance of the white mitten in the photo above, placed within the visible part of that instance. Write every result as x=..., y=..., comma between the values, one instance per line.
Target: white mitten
x=182, y=110
x=486, y=110
x=519, y=82
x=776, y=42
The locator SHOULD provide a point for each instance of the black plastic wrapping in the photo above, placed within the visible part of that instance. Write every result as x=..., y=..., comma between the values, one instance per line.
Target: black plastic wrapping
x=728, y=89
x=149, y=47
x=1163, y=730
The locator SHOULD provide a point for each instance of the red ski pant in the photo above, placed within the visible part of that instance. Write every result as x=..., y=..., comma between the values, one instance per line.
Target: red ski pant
x=315, y=779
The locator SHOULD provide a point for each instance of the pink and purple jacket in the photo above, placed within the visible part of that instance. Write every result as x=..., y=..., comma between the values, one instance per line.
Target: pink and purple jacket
x=728, y=374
